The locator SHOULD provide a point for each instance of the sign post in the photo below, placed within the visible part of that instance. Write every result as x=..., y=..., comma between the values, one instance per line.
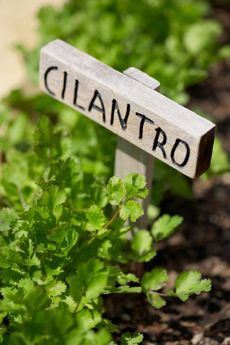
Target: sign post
x=130, y=158
x=147, y=123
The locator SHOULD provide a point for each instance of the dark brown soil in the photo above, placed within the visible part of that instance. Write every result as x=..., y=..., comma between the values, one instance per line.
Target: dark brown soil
x=202, y=244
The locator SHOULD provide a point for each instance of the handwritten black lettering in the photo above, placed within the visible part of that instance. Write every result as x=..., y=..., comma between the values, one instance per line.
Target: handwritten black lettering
x=92, y=104
x=76, y=96
x=49, y=69
x=159, y=144
x=144, y=119
x=64, y=84
x=123, y=121
x=187, y=152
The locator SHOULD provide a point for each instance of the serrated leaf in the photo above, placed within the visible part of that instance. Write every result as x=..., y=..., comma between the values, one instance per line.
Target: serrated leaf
x=155, y=300
x=53, y=198
x=142, y=242
x=116, y=190
x=135, y=186
x=189, y=283
x=26, y=284
x=123, y=278
x=56, y=288
x=132, y=209
x=96, y=218
x=137, y=180
x=154, y=280
x=165, y=226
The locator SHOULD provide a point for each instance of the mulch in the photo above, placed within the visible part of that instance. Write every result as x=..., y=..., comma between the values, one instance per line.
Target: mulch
x=202, y=244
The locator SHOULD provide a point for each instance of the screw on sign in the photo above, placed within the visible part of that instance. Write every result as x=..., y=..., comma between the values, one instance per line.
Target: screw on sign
x=147, y=123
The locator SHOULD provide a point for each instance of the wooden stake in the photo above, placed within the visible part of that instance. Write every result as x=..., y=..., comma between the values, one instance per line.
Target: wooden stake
x=130, y=158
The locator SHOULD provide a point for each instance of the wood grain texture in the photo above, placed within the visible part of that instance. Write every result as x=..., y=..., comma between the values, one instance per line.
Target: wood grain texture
x=142, y=116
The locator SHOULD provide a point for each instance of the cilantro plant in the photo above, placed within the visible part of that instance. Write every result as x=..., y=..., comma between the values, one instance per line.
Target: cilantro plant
x=63, y=234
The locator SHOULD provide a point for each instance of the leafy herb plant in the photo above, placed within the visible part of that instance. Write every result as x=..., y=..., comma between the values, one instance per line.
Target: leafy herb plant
x=63, y=236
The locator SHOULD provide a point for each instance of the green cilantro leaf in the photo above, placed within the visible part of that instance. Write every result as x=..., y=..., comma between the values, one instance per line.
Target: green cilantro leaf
x=96, y=218
x=142, y=242
x=131, y=339
x=155, y=300
x=88, y=319
x=154, y=280
x=165, y=226
x=56, y=288
x=116, y=190
x=135, y=186
x=189, y=283
x=131, y=209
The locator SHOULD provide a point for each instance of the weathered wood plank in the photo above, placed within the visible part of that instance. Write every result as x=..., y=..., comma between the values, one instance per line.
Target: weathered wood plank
x=133, y=111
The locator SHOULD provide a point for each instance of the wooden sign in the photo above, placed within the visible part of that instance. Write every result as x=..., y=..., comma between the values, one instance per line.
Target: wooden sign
x=129, y=108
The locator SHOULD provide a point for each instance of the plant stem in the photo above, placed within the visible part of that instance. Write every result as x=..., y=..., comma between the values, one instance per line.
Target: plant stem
x=112, y=219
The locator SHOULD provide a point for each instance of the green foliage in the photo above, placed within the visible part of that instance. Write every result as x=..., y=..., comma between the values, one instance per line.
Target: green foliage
x=180, y=45
x=129, y=339
x=152, y=282
x=220, y=161
x=63, y=235
x=165, y=226
x=187, y=284
x=169, y=181
x=190, y=282
x=96, y=218
x=155, y=279
x=142, y=246
x=131, y=209
x=142, y=241
x=200, y=36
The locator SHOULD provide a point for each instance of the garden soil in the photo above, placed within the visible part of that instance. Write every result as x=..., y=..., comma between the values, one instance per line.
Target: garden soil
x=202, y=244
